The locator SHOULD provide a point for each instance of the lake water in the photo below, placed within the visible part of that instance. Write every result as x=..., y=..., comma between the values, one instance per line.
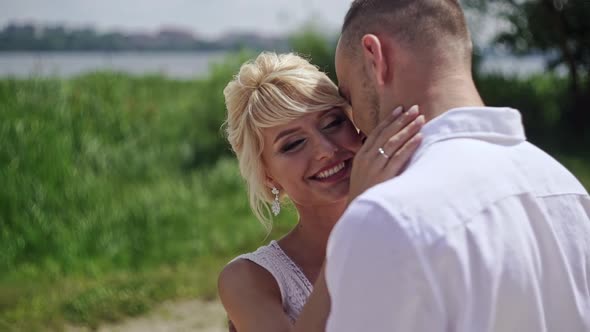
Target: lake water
x=179, y=65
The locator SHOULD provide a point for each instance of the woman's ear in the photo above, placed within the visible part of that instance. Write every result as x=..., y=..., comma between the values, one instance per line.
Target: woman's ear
x=271, y=183
x=374, y=58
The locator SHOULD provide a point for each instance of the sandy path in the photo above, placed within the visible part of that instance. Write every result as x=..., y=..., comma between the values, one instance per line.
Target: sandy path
x=191, y=315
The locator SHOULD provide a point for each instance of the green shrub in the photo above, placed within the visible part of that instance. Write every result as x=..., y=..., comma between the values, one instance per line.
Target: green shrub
x=541, y=99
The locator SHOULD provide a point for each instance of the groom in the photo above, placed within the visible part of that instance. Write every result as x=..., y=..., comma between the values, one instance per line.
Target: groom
x=483, y=231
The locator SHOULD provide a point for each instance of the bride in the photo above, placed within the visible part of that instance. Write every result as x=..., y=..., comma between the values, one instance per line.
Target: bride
x=292, y=134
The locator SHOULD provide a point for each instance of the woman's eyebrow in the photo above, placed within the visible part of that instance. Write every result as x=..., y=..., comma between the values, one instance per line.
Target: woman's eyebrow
x=285, y=133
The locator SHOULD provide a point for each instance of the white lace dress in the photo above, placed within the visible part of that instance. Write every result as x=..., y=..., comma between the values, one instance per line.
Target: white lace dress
x=293, y=284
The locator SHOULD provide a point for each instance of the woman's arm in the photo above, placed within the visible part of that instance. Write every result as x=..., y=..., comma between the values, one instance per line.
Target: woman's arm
x=317, y=308
x=252, y=298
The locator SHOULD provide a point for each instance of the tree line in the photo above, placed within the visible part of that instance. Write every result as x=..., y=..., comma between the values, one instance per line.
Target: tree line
x=31, y=37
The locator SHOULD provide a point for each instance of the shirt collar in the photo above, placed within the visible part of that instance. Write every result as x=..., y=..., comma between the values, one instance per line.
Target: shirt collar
x=500, y=125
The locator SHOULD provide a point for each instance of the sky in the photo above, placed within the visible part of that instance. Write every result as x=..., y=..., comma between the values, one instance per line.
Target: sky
x=206, y=18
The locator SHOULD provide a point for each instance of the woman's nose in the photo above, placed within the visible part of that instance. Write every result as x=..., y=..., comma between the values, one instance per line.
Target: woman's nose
x=325, y=148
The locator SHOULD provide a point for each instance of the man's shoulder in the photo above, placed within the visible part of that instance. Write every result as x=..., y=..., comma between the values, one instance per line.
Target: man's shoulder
x=370, y=225
x=421, y=190
x=451, y=182
x=458, y=170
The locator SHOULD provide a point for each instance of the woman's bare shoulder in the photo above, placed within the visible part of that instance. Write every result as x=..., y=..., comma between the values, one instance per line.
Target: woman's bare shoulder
x=242, y=274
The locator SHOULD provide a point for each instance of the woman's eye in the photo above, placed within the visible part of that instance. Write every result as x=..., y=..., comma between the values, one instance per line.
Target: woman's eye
x=334, y=123
x=291, y=146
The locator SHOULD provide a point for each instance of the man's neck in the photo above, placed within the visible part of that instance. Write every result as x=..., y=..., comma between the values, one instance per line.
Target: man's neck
x=437, y=93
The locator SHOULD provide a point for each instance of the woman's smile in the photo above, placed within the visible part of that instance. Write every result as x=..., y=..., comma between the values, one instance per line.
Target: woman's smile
x=334, y=172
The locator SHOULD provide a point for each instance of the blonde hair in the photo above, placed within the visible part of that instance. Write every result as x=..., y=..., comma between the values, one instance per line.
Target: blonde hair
x=269, y=91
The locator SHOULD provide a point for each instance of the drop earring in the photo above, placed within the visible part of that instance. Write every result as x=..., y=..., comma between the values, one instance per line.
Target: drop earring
x=276, y=205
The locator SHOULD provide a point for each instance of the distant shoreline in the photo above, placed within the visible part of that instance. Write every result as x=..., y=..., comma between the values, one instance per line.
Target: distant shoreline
x=39, y=37
x=120, y=50
x=185, y=64
x=172, y=64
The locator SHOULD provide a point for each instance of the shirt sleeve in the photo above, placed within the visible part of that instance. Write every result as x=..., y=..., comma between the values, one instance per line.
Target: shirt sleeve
x=376, y=277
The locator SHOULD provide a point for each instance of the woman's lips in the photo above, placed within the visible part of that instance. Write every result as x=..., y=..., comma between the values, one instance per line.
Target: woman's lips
x=334, y=173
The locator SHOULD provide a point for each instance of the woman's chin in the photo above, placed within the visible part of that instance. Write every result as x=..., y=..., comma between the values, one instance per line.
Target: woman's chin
x=339, y=191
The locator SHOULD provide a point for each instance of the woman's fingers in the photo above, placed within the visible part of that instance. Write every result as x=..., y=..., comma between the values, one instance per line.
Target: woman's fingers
x=401, y=157
x=395, y=127
x=396, y=141
x=367, y=173
x=382, y=125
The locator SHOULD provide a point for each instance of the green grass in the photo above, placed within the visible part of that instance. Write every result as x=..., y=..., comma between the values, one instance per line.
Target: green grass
x=118, y=193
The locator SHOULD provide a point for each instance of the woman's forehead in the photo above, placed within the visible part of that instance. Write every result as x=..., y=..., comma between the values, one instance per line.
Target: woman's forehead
x=306, y=117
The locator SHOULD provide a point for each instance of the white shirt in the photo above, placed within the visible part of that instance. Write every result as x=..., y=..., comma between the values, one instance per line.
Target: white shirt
x=482, y=232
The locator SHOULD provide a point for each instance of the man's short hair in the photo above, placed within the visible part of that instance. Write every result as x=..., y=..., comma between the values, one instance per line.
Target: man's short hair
x=419, y=24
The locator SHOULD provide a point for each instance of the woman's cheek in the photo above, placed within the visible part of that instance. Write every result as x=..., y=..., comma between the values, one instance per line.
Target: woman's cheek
x=295, y=164
x=351, y=138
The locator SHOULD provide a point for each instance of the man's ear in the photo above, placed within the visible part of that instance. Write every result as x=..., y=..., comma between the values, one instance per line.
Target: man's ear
x=374, y=57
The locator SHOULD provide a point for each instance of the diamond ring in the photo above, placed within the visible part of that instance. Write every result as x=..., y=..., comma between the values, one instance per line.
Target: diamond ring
x=382, y=152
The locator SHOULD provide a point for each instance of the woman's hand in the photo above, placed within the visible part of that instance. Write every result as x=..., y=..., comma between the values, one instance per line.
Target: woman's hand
x=386, y=150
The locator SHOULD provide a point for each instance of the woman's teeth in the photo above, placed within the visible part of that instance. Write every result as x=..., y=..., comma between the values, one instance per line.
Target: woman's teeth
x=331, y=171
